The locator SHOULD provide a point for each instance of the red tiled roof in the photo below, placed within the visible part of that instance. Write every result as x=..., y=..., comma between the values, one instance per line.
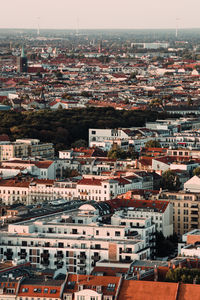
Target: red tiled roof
x=15, y=183
x=45, y=290
x=92, y=282
x=43, y=164
x=160, y=206
x=4, y=138
x=148, y=290
x=109, y=271
x=89, y=181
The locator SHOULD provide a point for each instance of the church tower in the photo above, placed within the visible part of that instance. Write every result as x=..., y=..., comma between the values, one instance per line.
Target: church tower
x=22, y=62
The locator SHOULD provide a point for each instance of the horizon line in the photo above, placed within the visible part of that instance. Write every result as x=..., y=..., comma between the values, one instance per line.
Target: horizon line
x=98, y=28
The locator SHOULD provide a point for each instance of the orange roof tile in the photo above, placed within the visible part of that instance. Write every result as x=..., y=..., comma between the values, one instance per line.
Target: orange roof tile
x=92, y=282
x=148, y=290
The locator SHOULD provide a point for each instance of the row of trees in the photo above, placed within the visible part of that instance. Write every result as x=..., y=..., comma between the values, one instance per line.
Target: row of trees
x=64, y=127
x=184, y=275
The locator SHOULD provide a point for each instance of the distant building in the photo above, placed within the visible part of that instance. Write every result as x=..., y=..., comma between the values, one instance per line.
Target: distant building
x=22, y=62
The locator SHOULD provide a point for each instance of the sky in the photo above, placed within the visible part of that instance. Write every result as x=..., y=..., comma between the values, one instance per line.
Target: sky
x=99, y=14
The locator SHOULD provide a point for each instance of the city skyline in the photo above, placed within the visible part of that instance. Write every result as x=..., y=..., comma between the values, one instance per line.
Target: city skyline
x=110, y=14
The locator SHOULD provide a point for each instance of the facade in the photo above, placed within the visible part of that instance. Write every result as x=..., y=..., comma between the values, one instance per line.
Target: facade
x=74, y=242
x=29, y=190
x=160, y=212
x=186, y=210
x=22, y=62
x=24, y=148
x=190, y=244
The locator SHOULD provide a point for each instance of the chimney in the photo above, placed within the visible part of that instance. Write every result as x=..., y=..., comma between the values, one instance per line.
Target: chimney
x=155, y=273
x=195, y=280
x=138, y=275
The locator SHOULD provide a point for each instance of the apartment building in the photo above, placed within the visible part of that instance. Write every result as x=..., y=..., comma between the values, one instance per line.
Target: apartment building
x=160, y=212
x=73, y=242
x=28, y=190
x=190, y=244
x=104, y=138
x=92, y=287
x=12, y=150
x=186, y=210
x=24, y=148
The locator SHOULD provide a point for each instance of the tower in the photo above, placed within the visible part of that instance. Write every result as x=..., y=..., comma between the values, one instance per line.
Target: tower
x=100, y=47
x=177, y=27
x=22, y=62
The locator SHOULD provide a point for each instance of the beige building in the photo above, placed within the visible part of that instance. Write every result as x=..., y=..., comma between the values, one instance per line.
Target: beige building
x=9, y=151
x=186, y=210
x=26, y=148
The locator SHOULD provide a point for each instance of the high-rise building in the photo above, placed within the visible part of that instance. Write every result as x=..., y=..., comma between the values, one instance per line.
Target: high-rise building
x=22, y=62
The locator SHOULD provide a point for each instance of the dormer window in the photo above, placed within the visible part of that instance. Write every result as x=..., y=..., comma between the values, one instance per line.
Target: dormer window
x=99, y=288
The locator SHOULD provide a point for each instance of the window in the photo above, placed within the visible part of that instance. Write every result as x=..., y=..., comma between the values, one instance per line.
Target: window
x=97, y=232
x=93, y=132
x=68, y=297
x=80, y=297
x=117, y=233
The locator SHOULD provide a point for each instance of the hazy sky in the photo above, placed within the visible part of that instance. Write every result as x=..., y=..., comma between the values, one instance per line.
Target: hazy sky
x=99, y=13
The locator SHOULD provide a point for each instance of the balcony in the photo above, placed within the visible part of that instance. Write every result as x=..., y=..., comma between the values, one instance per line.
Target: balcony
x=81, y=263
x=194, y=220
x=81, y=272
x=22, y=255
x=45, y=255
x=82, y=256
x=194, y=212
x=45, y=262
x=96, y=257
x=59, y=255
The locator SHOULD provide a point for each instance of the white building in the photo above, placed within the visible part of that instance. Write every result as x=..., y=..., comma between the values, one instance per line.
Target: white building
x=192, y=185
x=73, y=242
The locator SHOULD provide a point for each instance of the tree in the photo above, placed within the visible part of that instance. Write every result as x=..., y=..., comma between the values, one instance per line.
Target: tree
x=131, y=153
x=59, y=75
x=152, y=144
x=164, y=246
x=170, y=181
x=69, y=173
x=185, y=275
x=116, y=152
x=196, y=171
x=79, y=143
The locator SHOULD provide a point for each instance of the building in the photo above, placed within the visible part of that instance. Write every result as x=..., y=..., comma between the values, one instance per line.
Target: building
x=161, y=213
x=22, y=62
x=75, y=241
x=24, y=148
x=186, y=210
x=189, y=246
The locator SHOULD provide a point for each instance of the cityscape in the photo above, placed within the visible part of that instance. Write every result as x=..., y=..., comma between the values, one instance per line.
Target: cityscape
x=99, y=159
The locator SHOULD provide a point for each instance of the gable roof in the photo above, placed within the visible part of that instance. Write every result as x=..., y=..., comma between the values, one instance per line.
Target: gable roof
x=91, y=282
x=148, y=290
